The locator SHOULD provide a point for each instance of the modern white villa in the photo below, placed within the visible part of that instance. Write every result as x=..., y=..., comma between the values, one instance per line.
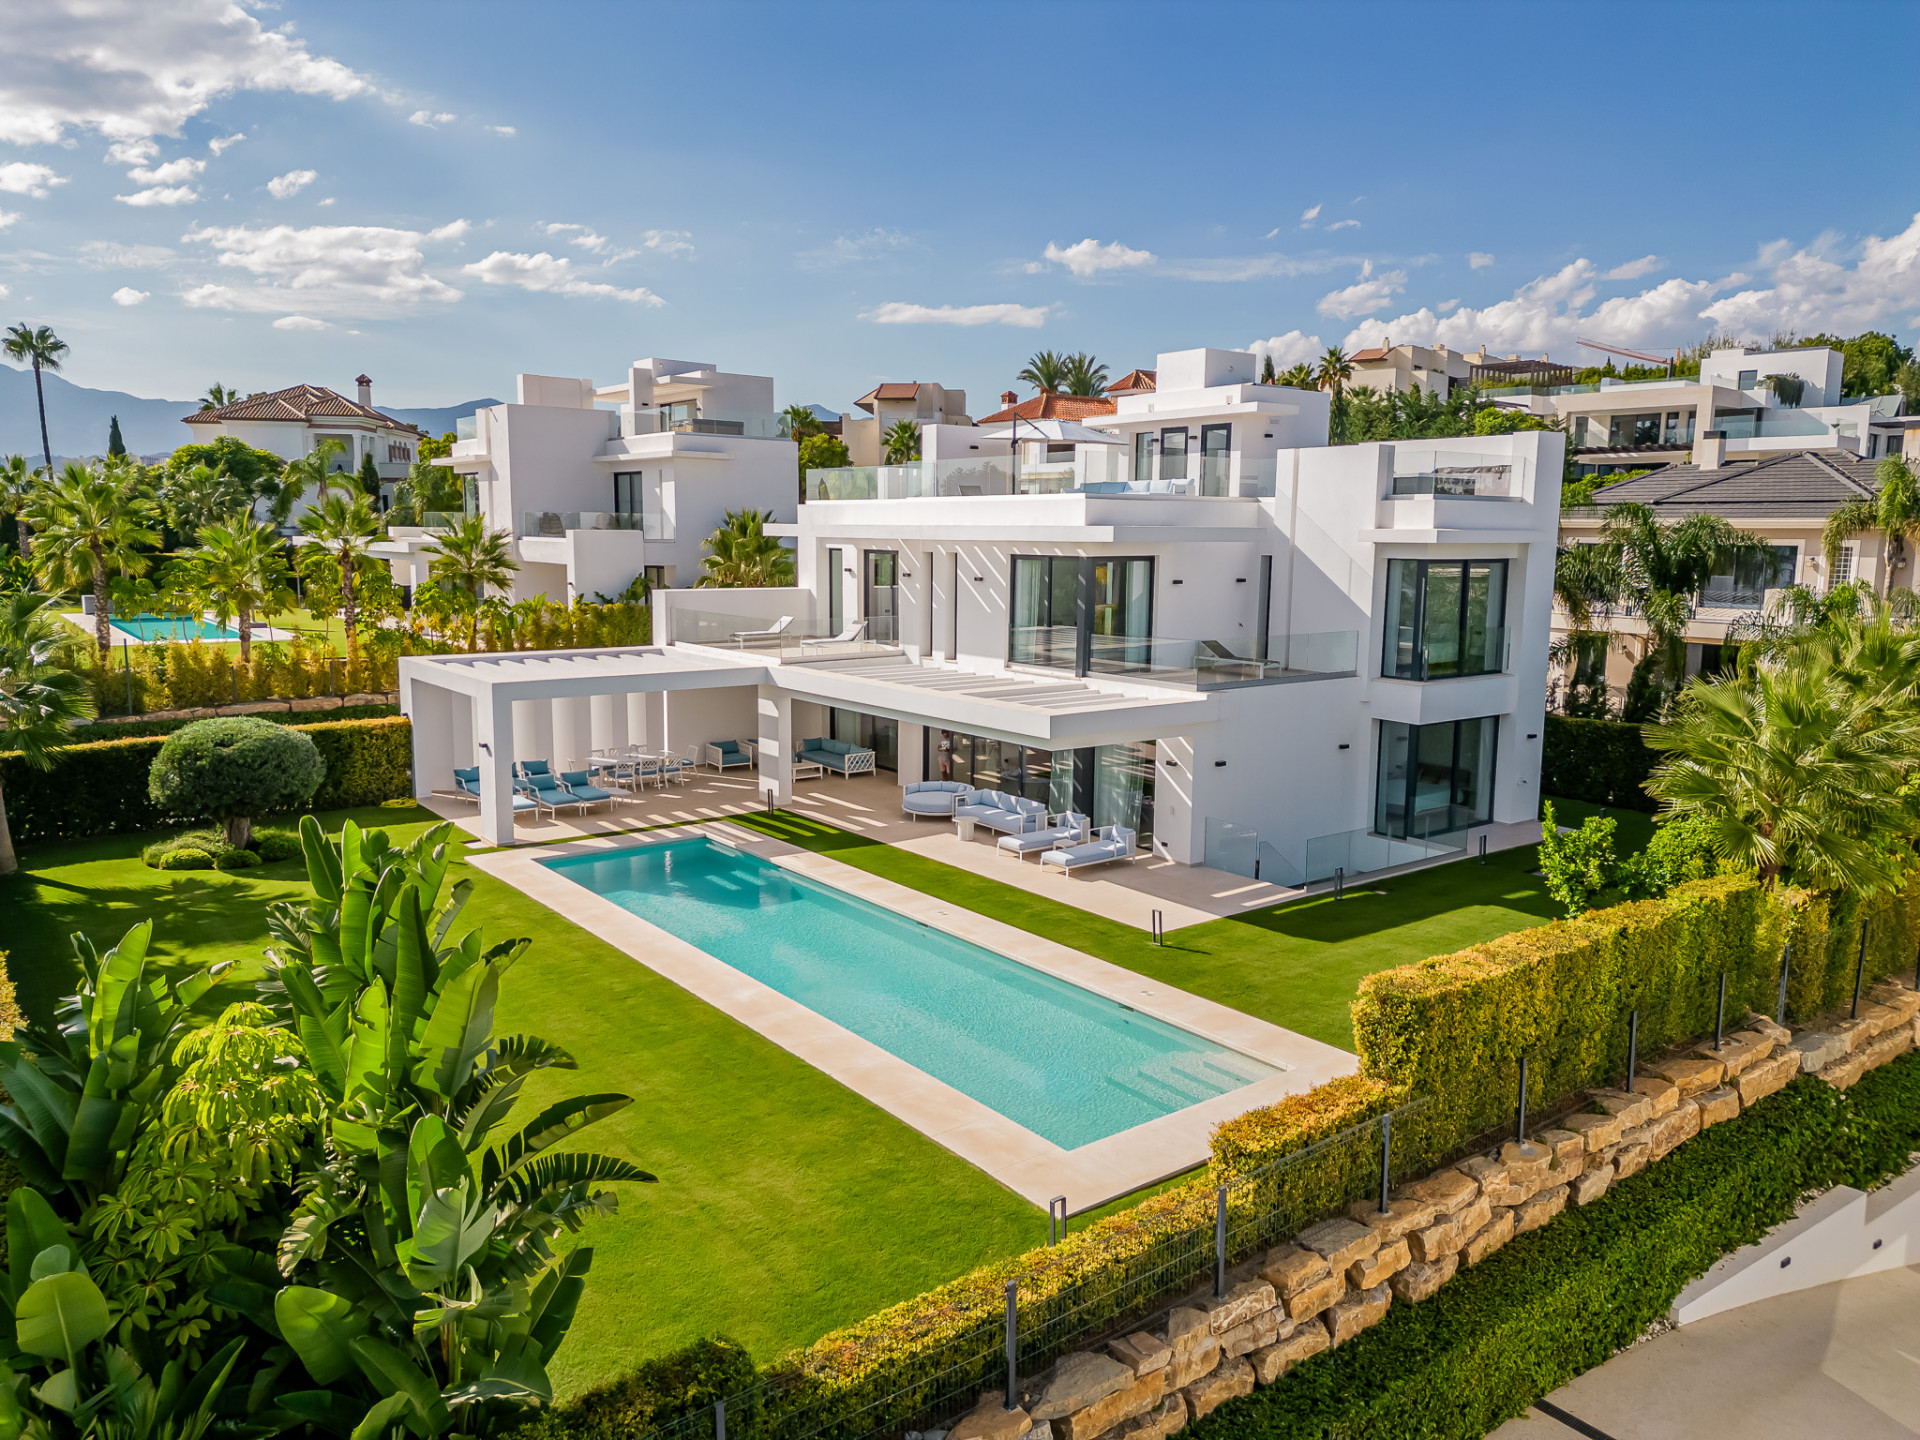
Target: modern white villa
x=598, y=484
x=1196, y=626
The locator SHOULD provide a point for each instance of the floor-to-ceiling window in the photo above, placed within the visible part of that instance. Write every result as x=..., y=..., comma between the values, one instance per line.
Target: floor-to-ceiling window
x=1444, y=618
x=1434, y=779
x=836, y=592
x=1121, y=616
x=1143, y=455
x=1216, y=446
x=1082, y=614
x=1173, y=453
x=1110, y=784
x=1045, y=625
x=870, y=732
x=883, y=596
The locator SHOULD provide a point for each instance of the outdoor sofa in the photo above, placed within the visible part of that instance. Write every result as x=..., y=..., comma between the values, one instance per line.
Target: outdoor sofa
x=727, y=754
x=837, y=755
x=1068, y=829
x=933, y=797
x=997, y=810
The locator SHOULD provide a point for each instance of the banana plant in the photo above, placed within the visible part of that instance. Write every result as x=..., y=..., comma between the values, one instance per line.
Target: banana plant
x=426, y=1295
x=56, y=1319
x=81, y=1090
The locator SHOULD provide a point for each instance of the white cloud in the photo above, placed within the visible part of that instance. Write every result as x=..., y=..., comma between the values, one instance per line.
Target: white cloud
x=1089, y=257
x=161, y=195
x=171, y=173
x=7, y=217
x=1227, y=269
x=1446, y=305
x=4, y=292
x=898, y=312
x=20, y=178
x=127, y=295
x=1634, y=269
x=1344, y=225
x=506, y=130
x=1363, y=297
x=1292, y=348
x=668, y=242
x=300, y=322
x=107, y=255
x=431, y=118
x=1812, y=292
x=220, y=144
x=1478, y=259
x=342, y=270
x=133, y=152
x=846, y=249
x=327, y=201
x=551, y=275
x=292, y=183
x=130, y=68
x=1309, y=215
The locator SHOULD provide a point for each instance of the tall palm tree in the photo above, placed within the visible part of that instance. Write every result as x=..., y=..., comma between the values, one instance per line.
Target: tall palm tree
x=902, y=442
x=92, y=524
x=1336, y=369
x=341, y=527
x=1298, y=376
x=39, y=697
x=17, y=481
x=218, y=395
x=475, y=559
x=239, y=572
x=42, y=349
x=742, y=554
x=1046, y=372
x=1085, y=375
x=1893, y=510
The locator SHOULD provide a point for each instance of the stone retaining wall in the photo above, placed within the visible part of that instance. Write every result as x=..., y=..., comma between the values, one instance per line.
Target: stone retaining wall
x=1342, y=1275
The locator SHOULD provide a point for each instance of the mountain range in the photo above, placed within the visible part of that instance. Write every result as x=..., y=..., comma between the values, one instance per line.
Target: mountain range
x=78, y=417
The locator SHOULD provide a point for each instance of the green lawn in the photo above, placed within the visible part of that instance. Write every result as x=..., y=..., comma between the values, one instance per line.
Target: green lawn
x=786, y=1204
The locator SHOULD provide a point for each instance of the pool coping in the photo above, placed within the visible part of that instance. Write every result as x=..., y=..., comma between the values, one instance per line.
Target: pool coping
x=1028, y=1164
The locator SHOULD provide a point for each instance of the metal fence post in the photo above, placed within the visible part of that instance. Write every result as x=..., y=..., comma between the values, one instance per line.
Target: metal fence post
x=1520, y=1124
x=1786, y=969
x=720, y=1420
x=1013, y=1346
x=1386, y=1158
x=1633, y=1047
x=1220, y=1242
x=1720, y=1013
x=1859, y=971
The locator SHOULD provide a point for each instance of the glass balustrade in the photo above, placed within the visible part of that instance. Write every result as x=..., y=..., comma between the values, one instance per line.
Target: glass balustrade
x=766, y=637
x=674, y=420
x=1220, y=664
x=535, y=523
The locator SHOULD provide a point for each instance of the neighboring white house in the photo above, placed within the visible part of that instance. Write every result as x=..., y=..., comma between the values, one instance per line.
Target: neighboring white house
x=1204, y=624
x=886, y=405
x=1437, y=370
x=292, y=422
x=599, y=484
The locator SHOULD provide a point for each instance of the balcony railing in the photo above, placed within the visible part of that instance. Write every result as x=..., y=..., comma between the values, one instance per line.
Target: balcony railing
x=1485, y=653
x=441, y=519
x=748, y=633
x=756, y=426
x=534, y=523
x=467, y=427
x=1095, y=471
x=1195, y=664
x=1239, y=850
x=1449, y=474
x=1771, y=425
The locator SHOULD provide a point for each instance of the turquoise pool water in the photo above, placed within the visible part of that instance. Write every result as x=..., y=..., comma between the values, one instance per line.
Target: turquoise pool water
x=171, y=627
x=1065, y=1063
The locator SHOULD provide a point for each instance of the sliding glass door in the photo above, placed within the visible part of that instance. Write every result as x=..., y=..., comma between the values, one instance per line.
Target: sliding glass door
x=1110, y=784
x=1073, y=612
x=883, y=596
x=1216, y=458
x=1434, y=779
x=1444, y=619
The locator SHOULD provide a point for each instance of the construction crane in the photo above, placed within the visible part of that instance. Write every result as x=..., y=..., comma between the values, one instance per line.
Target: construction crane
x=1640, y=355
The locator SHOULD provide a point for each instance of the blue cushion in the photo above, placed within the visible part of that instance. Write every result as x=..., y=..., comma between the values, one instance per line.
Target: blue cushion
x=471, y=774
x=535, y=767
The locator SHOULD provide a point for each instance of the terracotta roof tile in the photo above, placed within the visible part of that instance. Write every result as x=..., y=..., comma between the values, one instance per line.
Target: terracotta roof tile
x=1135, y=382
x=1367, y=357
x=297, y=402
x=1053, y=407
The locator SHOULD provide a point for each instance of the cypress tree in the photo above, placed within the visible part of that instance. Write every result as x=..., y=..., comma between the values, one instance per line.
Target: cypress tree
x=115, y=445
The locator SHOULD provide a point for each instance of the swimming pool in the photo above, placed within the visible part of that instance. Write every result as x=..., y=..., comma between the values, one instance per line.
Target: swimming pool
x=1071, y=1066
x=171, y=627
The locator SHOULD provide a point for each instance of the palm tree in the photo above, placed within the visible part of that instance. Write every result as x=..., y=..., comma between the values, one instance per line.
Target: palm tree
x=239, y=572
x=1085, y=375
x=92, y=523
x=1298, y=376
x=17, y=482
x=1334, y=372
x=1893, y=510
x=204, y=495
x=902, y=442
x=312, y=468
x=1046, y=372
x=218, y=395
x=39, y=697
x=341, y=527
x=41, y=349
x=801, y=422
x=742, y=554
x=474, y=559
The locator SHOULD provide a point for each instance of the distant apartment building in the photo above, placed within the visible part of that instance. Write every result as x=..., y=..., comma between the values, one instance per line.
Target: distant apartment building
x=599, y=484
x=293, y=422
x=1437, y=370
x=886, y=405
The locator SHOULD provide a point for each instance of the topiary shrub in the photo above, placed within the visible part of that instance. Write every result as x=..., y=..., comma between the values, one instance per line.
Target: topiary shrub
x=186, y=859
x=233, y=769
x=275, y=844
x=235, y=860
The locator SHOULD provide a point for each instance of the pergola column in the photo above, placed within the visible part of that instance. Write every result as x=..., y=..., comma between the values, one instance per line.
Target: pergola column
x=430, y=708
x=495, y=743
x=774, y=744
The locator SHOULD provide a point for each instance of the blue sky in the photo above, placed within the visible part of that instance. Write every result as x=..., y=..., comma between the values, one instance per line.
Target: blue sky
x=444, y=194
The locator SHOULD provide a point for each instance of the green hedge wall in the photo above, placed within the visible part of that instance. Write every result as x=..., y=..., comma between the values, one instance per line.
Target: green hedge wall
x=660, y=1391
x=101, y=788
x=1563, y=1299
x=1601, y=761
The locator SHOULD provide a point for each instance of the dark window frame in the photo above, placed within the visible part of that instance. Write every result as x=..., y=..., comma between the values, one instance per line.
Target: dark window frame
x=1493, y=657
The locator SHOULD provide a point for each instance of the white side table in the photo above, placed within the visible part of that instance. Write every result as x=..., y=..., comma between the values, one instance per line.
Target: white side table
x=963, y=826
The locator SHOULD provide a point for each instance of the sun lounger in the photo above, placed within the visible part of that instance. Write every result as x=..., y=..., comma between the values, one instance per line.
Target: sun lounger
x=1067, y=829
x=1111, y=842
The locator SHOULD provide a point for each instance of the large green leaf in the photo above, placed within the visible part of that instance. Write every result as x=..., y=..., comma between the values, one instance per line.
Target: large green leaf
x=556, y=1297
x=565, y=1170
x=366, y=1069
x=451, y=1228
x=435, y=1161
x=320, y=1328
x=46, y=1107
x=31, y=1227
x=383, y=1414
x=20, y=1146
x=394, y=1373
x=457, y=1032
x=333, y=1412
x=356, y=921
x=13, y=1419
x=411, y=980
x=115, y=996
x=60, y=1316
x=323, y=866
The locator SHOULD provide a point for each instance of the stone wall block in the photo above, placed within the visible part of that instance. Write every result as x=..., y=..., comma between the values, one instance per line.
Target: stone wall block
x=1771, y=1074
x=1379, y=1266
x=1595, y=1131
x=1274, y=1361
x=1339, y=1242
x=1488, y=1238
x=1719, y=1105
x=1588, y=1187
x=1289, y=1269
x=991, y=1420
x=1233, y=1378
x=1140, y=1352
x=1539, y=1210
x=1694, y=1076
x=1402, y=1218
x=1077, y=1381
x=1359, y=1310
x=1239, y=1305
x=1422, y=1278
x=1102, y=1415
x=1448, y=1190
x=1262, y=1330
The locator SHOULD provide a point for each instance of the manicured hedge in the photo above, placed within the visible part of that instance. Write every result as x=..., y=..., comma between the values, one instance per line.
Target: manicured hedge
x=101, y=788
x=136, y=729
x=660, y=1391
x=1601, y=761
x=1565, y=1298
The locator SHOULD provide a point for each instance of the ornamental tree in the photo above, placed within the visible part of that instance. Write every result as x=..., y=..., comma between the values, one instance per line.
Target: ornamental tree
x=233, y=769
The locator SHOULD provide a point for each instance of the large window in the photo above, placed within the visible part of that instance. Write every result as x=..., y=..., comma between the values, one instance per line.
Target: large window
x=1444, y=618
x=1173, y=453
x=836, y=593
x=870, y=732
x=1216, y=452
x=1082, y=614
x=1110, y=784
x=883, y=596
x=1434, y=779
x=1744, y=580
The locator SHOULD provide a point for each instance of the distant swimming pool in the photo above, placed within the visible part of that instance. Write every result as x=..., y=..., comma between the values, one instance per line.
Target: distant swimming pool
x=1069, y=1065
x=172, y=627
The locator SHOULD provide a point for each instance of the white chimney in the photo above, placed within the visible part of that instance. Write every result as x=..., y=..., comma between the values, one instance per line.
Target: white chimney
x=365, y=382
x=1709, y=450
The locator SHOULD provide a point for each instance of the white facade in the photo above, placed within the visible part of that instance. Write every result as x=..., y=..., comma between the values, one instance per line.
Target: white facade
x=599, y=484
x=1231, y=653
x=920, y=401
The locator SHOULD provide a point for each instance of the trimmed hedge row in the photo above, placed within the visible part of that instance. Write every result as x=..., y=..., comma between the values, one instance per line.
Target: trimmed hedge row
x=137, y=729
x=101, y=788
x=1565, y=1298
x=1601, y=761
x=676, y=1384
